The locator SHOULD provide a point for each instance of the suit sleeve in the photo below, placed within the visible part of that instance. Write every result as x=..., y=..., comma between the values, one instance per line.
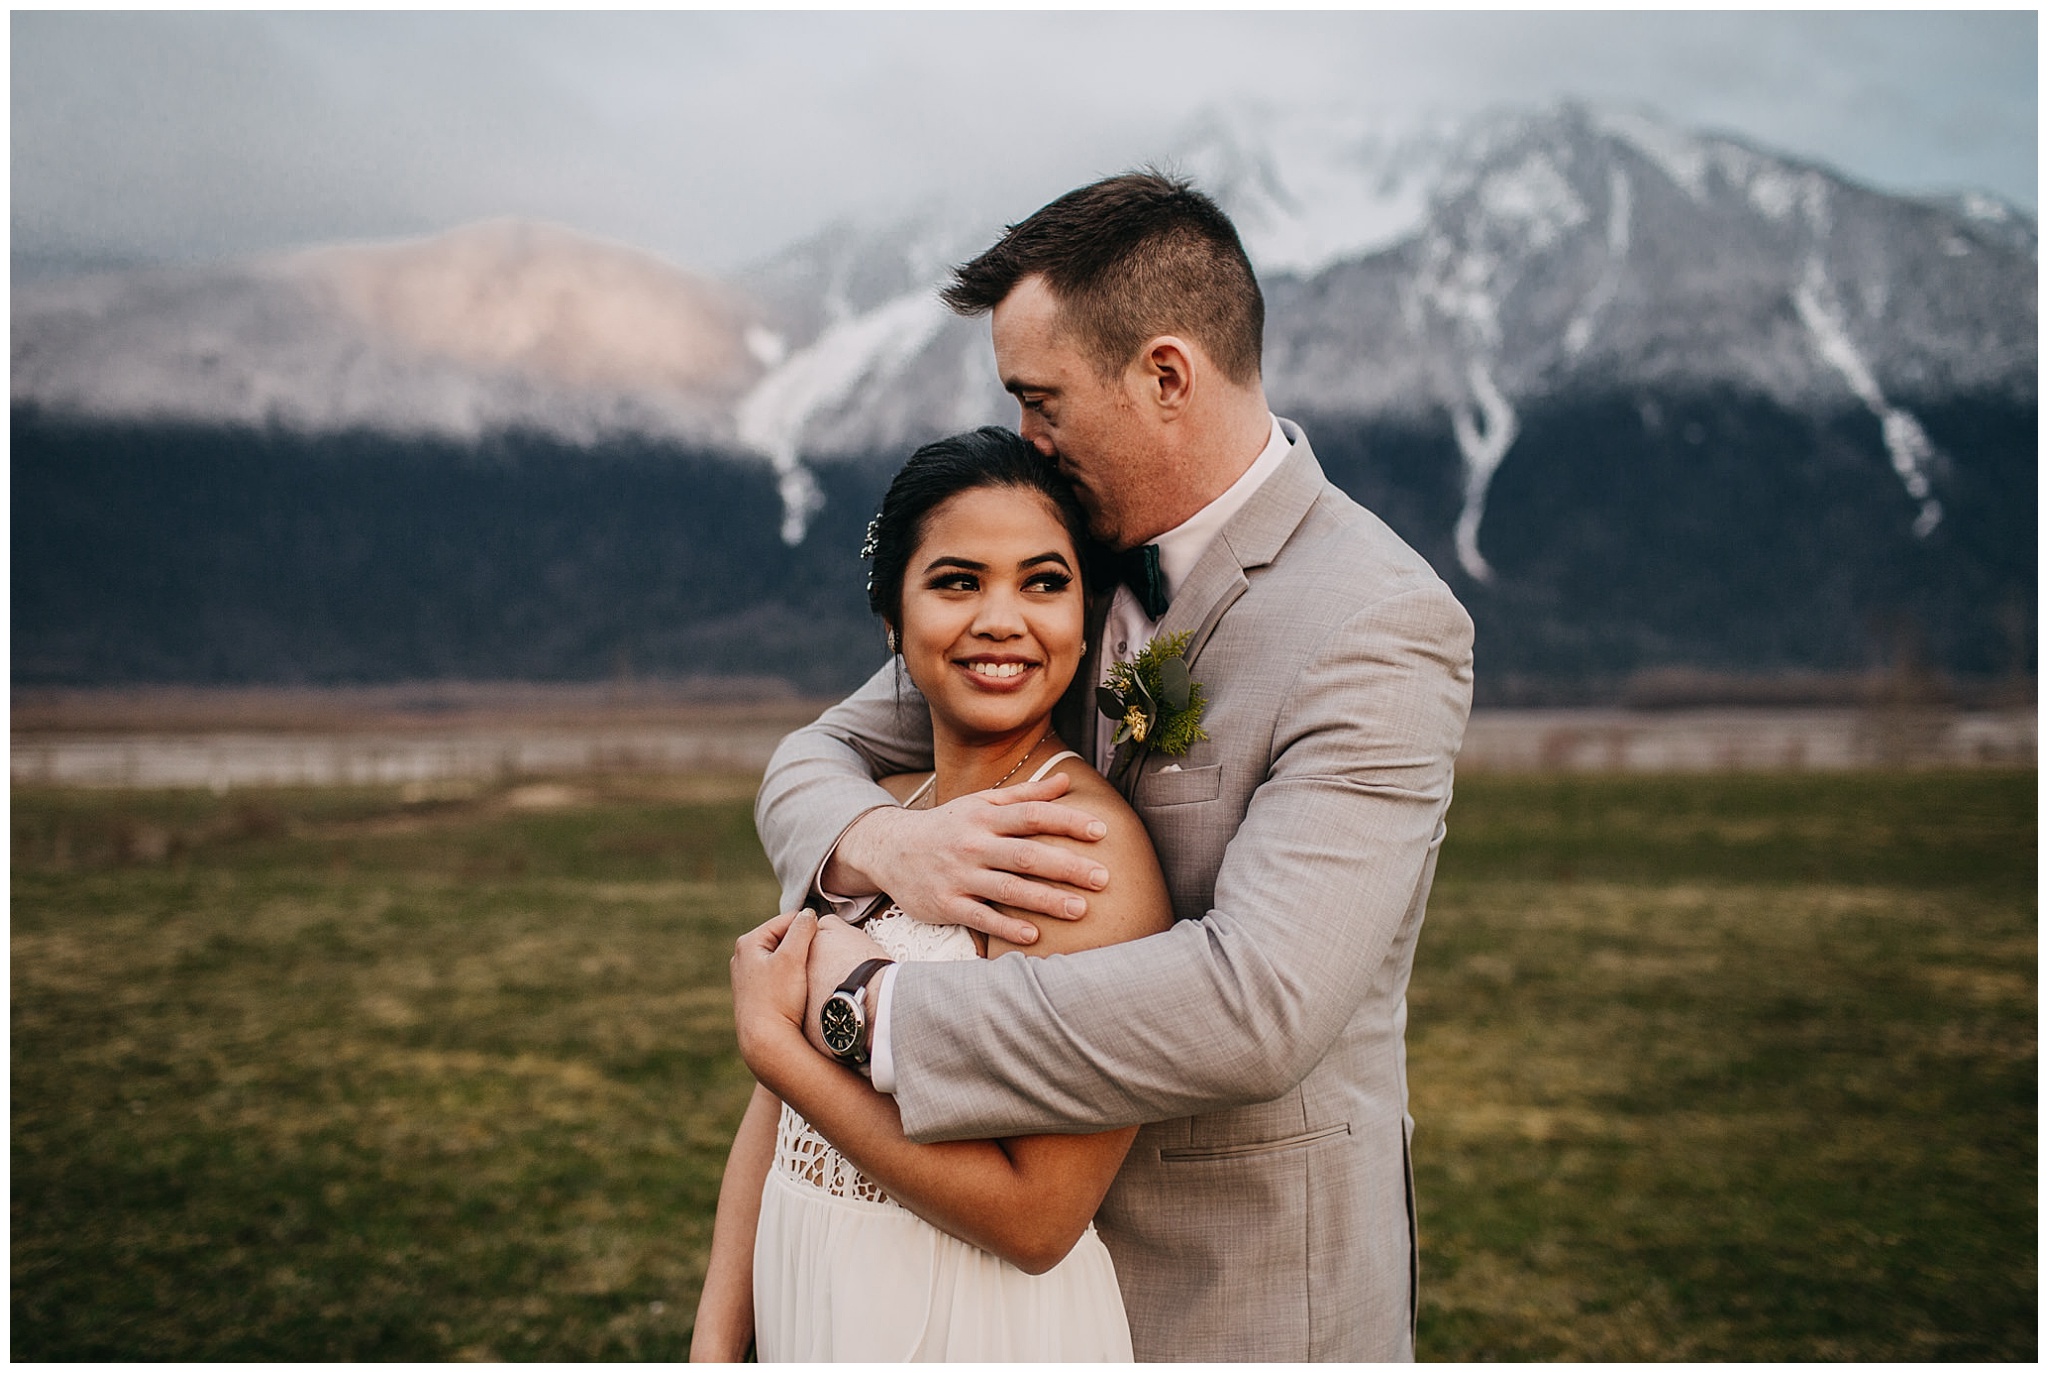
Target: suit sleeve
x=1236, y=1007
x=822, y=777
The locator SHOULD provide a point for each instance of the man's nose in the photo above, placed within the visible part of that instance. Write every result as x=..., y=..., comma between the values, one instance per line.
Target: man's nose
x=1032, y=428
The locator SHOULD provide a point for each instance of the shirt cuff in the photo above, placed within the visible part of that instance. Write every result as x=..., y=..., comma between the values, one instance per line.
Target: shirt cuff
x=881, y=1059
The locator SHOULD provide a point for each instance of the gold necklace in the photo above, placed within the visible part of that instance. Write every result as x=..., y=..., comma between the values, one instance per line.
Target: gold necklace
x=933, y=794
x=1025, y=759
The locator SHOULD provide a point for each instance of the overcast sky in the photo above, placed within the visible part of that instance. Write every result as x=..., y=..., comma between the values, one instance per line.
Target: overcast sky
x=714, y=137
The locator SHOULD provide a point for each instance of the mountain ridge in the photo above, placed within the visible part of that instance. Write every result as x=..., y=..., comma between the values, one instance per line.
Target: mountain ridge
x=1644, y=397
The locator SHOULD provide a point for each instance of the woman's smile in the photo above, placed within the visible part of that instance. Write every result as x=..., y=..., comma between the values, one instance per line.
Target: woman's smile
x=997, y=674
x=992, y=616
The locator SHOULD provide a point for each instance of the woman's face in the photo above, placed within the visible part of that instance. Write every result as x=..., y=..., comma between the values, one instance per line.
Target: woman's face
x=992, y=611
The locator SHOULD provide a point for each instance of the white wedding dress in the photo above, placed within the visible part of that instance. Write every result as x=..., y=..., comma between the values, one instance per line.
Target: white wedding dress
x=842, y=1272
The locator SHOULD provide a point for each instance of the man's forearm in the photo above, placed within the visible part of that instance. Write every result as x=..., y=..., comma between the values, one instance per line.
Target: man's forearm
x=844, y=871
x=821, y=778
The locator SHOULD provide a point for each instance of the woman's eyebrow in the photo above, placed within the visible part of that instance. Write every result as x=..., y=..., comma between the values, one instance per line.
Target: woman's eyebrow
x=970, y=565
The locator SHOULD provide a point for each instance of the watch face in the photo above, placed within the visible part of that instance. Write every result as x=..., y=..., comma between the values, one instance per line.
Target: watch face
x=839, y=1025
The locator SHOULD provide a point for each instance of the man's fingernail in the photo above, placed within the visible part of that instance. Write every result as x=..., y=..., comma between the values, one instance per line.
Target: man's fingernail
x=1026, y=934
x=1076, y=907
x=1096, y=829
x=1098, y=878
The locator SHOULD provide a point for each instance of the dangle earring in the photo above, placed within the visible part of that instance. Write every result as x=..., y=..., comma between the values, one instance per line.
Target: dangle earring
x=893, y=647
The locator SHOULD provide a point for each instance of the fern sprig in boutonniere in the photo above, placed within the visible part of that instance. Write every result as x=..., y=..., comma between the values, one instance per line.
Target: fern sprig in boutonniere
x=1156, y=704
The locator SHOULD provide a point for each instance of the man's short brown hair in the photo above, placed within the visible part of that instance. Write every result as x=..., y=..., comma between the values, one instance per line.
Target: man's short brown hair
x=1129, y=259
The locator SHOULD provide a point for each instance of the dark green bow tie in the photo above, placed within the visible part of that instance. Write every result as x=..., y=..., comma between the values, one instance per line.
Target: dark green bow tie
x=1138, y=569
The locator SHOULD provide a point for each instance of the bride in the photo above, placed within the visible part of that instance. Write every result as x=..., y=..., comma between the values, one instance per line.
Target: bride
x=837, y=1238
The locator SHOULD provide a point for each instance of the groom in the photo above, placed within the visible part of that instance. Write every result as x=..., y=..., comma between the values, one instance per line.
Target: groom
x=1267, y=1210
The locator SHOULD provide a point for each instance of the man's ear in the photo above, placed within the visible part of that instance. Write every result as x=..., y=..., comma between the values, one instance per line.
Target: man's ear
x=1168, y=365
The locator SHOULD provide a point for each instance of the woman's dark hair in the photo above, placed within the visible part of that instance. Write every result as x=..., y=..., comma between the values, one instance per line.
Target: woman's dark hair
x=988, y=456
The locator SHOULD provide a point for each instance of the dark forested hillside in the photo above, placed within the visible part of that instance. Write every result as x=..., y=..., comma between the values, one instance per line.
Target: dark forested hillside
x=216, y=555
x=1718, y=532
x=1721, y=532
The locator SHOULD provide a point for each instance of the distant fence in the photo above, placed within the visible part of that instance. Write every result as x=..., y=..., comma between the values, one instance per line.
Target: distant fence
x=1496, y=741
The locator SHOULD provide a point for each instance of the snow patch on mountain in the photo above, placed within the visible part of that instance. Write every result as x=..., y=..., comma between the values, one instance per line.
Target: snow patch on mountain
x=1620, y=208
x=1678, y=155
x=866, y=349
x=1310, y=187
x=1485, y=428
x=1532, y=200
x=1912, y=454
x=1985, y=209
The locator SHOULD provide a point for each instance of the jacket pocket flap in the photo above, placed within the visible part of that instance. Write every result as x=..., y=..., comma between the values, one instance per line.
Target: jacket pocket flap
x=1182, y=786
x=1256, y=1146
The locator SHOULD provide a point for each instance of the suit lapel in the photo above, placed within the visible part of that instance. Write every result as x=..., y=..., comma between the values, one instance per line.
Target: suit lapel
x=1251, y=539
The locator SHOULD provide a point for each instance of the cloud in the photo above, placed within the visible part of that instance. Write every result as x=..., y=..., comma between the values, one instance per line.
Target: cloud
x=712, y=137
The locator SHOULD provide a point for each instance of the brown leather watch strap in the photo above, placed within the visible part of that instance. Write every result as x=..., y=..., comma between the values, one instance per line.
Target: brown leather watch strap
x=858, y=978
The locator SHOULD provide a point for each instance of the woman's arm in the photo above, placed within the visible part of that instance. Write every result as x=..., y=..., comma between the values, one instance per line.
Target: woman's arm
x=725, y=1312
x=1026, y=1199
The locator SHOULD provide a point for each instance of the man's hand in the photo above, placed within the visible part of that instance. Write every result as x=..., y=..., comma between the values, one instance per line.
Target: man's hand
x=836, y=950
x=953, y=864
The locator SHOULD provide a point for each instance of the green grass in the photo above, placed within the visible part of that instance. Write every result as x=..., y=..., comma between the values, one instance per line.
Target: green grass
x=1730, y=1068
x=1709, y=1068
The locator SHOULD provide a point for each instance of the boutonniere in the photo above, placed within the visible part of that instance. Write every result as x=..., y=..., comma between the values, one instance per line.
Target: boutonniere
x=1156, y=705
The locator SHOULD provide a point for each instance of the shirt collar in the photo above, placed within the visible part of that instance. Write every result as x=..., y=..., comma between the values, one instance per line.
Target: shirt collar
x=1181, y=547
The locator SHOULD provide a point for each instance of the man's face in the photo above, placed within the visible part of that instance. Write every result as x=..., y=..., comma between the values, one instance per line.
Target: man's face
x=1097, y=431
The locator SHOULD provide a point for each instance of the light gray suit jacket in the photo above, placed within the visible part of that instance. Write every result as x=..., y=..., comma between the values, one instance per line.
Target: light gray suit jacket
x=1267, y=1209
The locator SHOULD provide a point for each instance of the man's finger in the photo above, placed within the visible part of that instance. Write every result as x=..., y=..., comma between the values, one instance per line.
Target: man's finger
x=1032, y=860
x=1008, y=889
x=979, y=916
x=1048, y=788
x=1047, y=817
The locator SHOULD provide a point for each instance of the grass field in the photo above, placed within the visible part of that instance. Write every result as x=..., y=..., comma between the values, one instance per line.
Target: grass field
x=1707, y=1068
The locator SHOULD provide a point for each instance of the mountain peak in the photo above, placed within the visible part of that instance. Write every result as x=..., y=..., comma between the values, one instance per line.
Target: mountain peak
x=544, y=300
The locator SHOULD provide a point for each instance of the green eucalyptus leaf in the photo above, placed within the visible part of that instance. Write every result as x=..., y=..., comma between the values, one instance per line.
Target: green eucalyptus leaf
x=1109, y=703
x=1174, y=684
x=1142, y=697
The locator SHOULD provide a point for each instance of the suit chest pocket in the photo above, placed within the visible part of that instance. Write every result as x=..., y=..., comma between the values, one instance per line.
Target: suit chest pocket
x=1182, y=786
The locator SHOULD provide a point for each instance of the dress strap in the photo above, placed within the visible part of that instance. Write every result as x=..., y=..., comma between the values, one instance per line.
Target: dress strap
x=1046, y=766
x=918, y=795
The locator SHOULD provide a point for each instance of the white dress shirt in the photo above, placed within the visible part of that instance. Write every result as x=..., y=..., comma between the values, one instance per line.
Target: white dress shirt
x=1127, y=630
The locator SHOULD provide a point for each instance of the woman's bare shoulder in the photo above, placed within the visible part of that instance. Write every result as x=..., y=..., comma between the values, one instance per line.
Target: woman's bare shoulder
x=1134, y=904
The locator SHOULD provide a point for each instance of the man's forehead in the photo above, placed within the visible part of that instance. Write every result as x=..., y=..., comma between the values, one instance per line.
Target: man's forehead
x=1032, y=343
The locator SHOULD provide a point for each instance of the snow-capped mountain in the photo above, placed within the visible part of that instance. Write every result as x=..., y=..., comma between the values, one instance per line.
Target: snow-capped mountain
x=1419, y=269
x=1644, y=395
x=498, y=326
x=1452, y=274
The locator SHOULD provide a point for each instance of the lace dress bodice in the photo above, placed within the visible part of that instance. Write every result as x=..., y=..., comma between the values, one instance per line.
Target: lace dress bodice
x=802, y=1152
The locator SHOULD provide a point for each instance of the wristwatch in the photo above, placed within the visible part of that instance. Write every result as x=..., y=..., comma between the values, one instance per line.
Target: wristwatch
x=843, y=1019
